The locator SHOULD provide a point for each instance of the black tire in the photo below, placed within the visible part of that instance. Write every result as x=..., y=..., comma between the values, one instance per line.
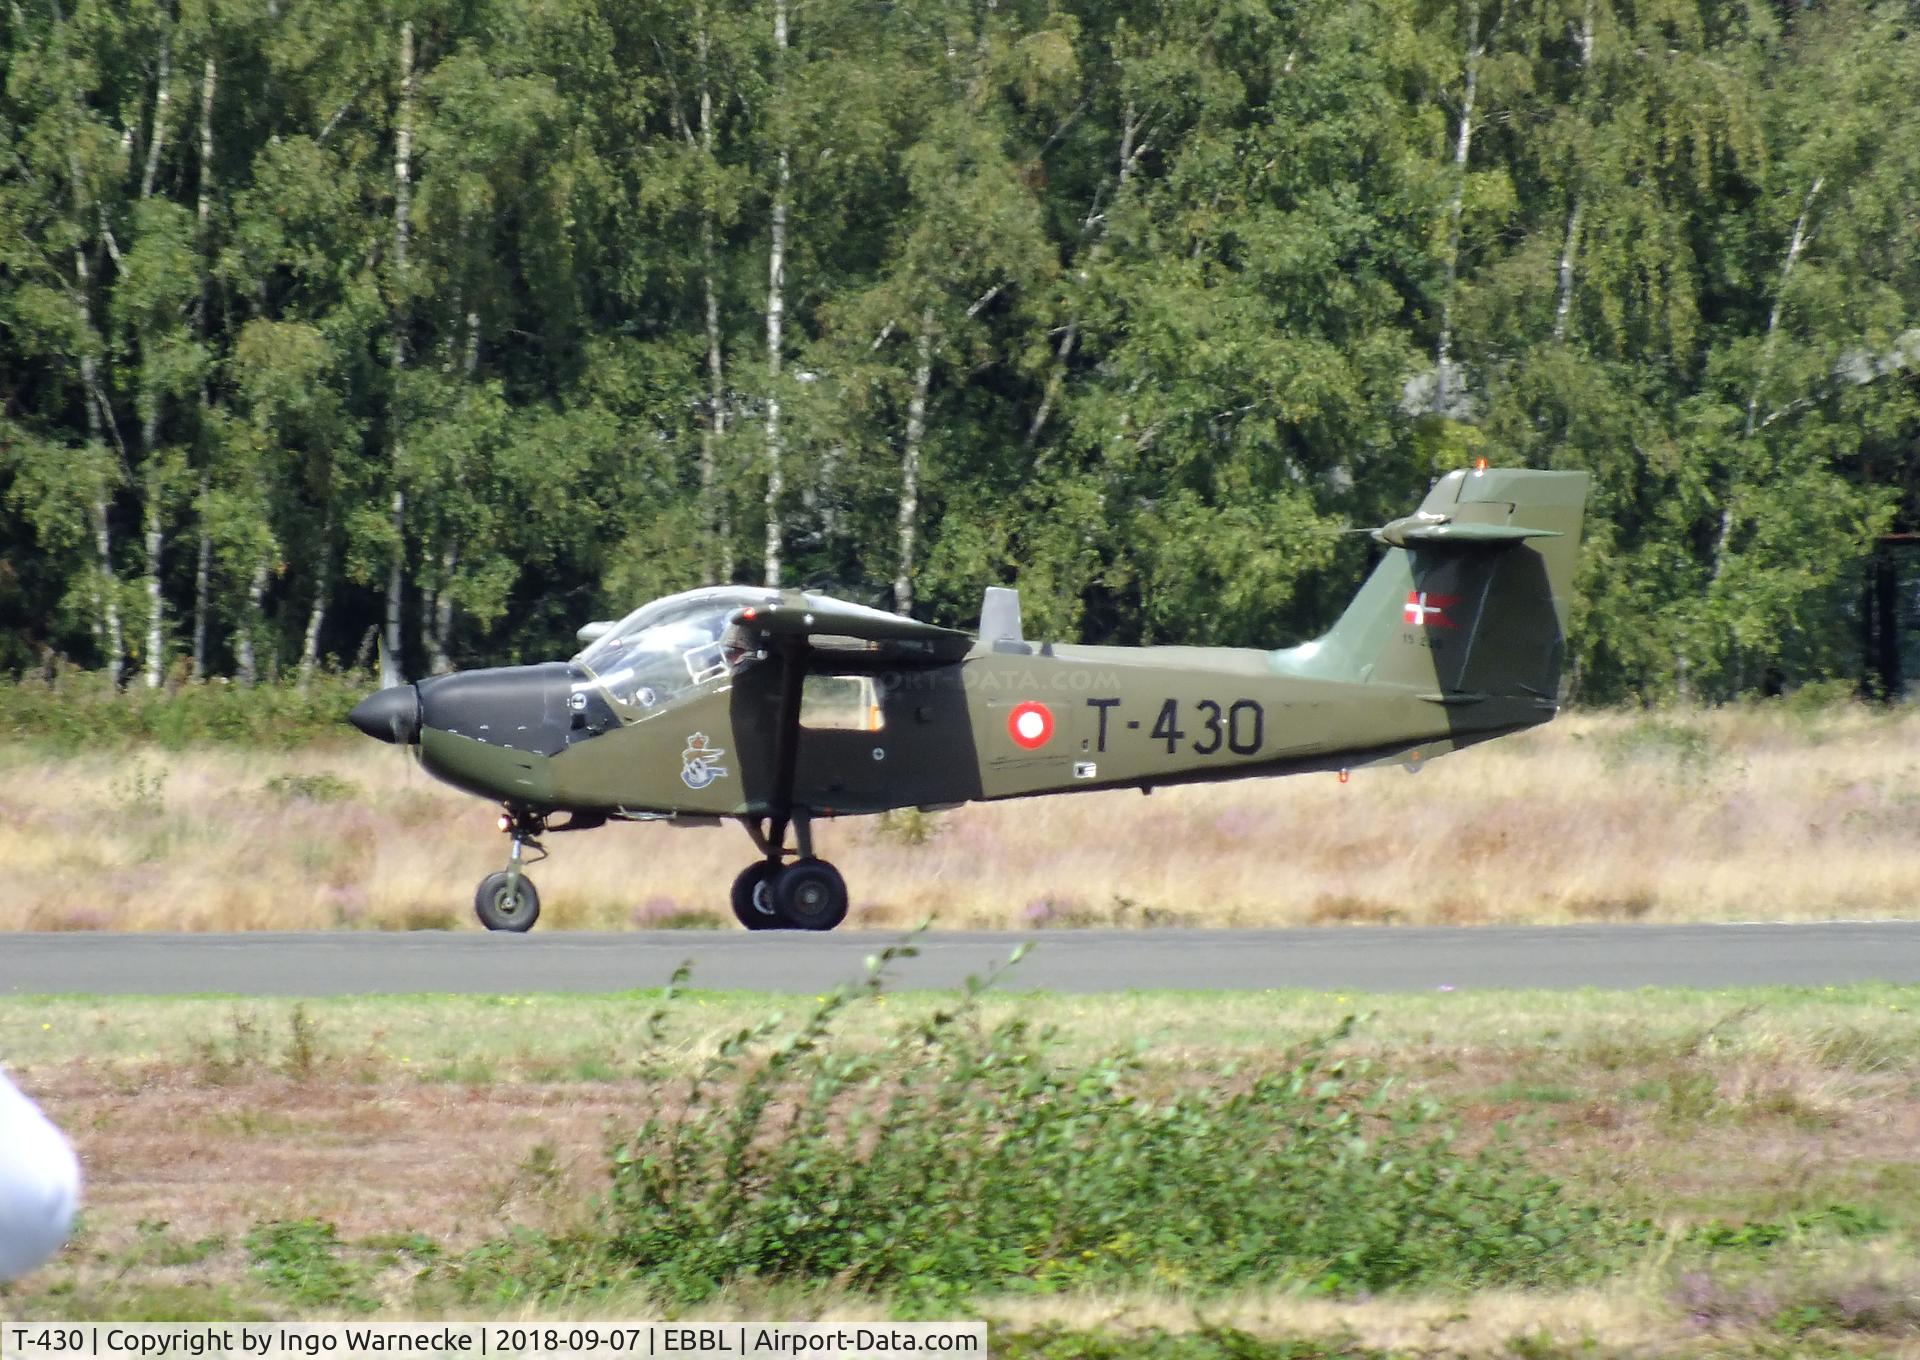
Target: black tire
x=754, y=915
x=810, y=895
x=500, y=910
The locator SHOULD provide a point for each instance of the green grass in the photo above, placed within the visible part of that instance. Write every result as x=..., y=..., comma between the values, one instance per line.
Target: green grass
x=925, y=1154
x=1572, y=1037
x=301, y=1263
x=1531, y=1093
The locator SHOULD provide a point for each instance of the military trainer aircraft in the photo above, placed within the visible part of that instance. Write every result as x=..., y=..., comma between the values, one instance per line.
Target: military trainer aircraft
x=775, y=708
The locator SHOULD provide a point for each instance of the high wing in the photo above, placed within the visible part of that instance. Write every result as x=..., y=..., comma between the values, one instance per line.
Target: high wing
x=828, y=625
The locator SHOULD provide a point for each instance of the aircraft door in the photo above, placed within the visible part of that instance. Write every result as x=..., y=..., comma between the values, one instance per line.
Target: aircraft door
x=870, y=742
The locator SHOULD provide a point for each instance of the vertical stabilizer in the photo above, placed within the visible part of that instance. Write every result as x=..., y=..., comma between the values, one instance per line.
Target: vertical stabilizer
x=1471, y=597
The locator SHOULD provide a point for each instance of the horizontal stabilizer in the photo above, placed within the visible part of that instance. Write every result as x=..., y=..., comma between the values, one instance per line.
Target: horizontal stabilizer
x=1438, y=531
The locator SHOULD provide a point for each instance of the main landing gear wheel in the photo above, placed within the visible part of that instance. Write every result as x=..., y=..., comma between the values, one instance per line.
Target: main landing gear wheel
x=503, y=905
x=772, y=894
x=753, y=900
x=809, y=894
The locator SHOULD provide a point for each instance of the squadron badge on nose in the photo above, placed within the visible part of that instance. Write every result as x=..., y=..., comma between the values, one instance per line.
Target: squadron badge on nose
x=700, y=763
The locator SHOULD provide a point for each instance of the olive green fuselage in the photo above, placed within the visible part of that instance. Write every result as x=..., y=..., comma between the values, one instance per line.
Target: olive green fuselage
x=1009, y=720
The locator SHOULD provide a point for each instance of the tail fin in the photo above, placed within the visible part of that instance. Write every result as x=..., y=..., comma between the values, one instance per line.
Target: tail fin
x=1471, y=597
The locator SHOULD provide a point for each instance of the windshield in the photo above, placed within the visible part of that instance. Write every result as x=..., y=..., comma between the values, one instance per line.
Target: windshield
x=668, y=647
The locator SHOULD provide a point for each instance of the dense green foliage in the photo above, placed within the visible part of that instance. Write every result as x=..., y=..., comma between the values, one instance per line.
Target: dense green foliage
x=300, y=1262
x=471, y=321
x=82, y=711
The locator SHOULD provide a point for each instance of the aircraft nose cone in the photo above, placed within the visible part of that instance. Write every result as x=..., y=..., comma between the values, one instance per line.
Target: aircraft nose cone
x=391, y=715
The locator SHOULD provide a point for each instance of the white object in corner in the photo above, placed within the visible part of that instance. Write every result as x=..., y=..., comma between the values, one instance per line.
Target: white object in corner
x=39, y=1184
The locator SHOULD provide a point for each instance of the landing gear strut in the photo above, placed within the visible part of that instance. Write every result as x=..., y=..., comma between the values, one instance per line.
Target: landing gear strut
x=771, y=894
x=507, y=900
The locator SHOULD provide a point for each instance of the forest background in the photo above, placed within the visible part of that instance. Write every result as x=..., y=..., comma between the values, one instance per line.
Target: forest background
x=467, y=321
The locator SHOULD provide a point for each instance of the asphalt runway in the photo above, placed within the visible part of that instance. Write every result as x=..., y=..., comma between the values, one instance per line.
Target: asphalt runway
x=1388, y=959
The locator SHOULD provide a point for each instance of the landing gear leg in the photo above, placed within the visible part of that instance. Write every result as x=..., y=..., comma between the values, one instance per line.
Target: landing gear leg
x=508, y=900
x=809, y=893
x=771, y=894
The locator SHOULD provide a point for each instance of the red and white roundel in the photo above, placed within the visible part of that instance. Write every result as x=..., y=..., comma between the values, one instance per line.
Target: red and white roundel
x=1030, y=725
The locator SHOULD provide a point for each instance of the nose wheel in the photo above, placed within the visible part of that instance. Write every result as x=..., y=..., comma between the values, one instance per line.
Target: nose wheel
x=502, y=904
x=771, y=894
x=508, y=900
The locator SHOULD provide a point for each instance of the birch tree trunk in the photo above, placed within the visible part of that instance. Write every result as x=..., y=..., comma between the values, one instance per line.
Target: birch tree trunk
x=402, y=232
x=202, y=586
x=204, y=209
x=715, y=521
x=153, y=532
x=161, y=97
x=1724, y=533
x=776, y=309
x=155, y=542
x=1563, y=303
x=106, y=607
x=316, y=616
x=1463, y=142
x=910, y=463
x=390, y=655
x=1094, y=221
x=1795, y=246
x=1563, y=306
x=202, y=572
x=317, y=611
x=248, y=662
x=441, y=631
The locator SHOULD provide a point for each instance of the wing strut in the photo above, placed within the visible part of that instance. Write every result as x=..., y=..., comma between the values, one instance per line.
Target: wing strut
x=786, y=758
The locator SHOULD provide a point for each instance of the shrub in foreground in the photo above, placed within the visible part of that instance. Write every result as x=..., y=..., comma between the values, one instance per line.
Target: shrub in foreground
x=949, y=1156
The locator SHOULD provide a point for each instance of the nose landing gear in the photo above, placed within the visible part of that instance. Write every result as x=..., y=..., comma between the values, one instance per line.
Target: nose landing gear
x=508, y=900
x=770, y=894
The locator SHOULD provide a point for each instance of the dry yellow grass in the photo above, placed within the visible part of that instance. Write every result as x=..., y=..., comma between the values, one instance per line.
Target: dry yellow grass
x=1728, y=815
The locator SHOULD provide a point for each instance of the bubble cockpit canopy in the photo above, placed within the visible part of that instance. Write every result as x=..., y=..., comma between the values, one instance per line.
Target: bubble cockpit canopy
x=663, y=649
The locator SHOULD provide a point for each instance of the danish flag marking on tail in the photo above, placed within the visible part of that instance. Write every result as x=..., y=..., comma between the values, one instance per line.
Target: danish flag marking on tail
x=1429, y=611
